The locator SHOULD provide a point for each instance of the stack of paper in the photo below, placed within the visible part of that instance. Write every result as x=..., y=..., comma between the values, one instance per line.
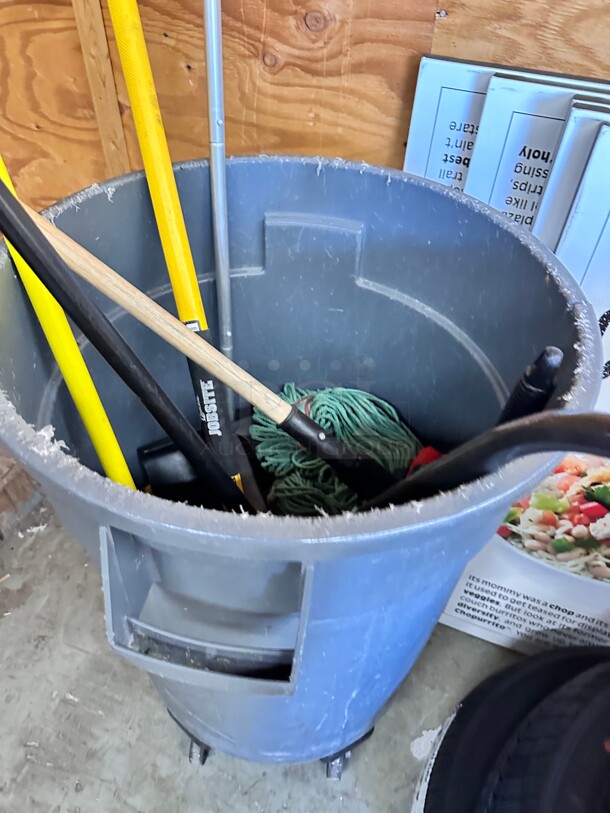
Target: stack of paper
x=584, y=247
x=447, y=114
x=519, y=134
x=535, y=146
x=583, y=125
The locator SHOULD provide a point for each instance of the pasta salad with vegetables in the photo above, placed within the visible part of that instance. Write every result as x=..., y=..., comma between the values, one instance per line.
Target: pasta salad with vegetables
x=566, y=520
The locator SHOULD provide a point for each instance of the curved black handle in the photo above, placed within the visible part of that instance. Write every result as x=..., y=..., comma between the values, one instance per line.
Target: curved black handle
x=544, y=432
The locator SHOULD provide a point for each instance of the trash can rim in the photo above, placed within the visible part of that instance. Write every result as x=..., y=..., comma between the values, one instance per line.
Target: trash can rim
x=43, y=455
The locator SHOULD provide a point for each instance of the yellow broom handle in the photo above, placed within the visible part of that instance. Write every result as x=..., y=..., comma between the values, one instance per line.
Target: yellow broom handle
x=72, y=366
x=157, y=162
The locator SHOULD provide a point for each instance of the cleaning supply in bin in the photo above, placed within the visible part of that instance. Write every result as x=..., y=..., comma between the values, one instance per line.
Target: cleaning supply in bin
x=375, y=485
x=306, y=485
x=534, y=389
x=364, y=474
x=212, y=401
x=72, y=366
x=550, y=431
x=54, y=273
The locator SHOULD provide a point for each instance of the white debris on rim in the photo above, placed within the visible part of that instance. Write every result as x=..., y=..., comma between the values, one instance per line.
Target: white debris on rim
x=35, y=529
x=422, y=746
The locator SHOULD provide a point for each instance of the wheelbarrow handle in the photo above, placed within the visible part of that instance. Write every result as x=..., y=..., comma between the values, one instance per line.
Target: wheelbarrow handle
x=552, y=431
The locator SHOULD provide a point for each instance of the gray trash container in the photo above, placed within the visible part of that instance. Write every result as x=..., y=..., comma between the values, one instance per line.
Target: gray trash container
x=282, y=639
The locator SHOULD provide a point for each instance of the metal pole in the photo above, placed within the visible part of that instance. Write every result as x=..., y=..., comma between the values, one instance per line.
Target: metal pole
x=218, y=178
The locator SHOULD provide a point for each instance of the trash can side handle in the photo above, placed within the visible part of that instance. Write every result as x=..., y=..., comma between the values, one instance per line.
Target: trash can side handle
x=128, y=572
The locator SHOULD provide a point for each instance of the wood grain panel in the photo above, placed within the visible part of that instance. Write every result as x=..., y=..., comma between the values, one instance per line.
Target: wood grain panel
x=329, y=77
x=92, y=35
x=567, y=36
x=48, y=129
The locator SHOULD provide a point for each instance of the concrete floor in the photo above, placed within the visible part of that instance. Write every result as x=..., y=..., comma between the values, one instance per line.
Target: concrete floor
x=84, y=731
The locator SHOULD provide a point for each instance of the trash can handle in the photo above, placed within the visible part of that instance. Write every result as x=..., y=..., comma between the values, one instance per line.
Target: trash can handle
x=128, y=574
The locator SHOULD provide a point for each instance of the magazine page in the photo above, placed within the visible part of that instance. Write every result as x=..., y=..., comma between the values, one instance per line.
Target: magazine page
x=544, y=579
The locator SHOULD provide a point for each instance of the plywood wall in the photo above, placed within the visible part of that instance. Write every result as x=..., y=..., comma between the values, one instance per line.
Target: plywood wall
x=48, y=130
x=302, y=76
x=567, y=36
x=328, y=77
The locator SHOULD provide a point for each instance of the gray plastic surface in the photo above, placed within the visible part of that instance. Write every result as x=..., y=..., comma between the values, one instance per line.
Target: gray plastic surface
x=282, y=639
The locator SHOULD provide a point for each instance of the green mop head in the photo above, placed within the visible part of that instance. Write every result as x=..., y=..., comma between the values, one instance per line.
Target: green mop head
x=305, y=485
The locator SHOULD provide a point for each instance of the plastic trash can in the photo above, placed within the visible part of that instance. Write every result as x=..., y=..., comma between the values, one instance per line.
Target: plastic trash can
x=282, y=639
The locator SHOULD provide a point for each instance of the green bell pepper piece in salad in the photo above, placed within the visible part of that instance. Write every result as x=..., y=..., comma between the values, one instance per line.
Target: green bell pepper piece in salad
x=587, y=544
x=513, y=515
x=562, y=545
x=549, y=502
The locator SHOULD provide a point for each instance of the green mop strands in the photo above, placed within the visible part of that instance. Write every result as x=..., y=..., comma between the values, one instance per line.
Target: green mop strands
x=305, y=485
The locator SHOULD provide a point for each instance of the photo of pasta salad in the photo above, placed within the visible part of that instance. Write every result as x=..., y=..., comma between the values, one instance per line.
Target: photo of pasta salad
x=565, y=521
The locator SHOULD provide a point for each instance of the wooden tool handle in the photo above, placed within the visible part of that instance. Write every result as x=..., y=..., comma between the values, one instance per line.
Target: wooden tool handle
x=149, y=313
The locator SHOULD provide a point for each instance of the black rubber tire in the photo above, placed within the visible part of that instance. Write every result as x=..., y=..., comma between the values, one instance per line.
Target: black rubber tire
x=490, y=715
x=559, y=759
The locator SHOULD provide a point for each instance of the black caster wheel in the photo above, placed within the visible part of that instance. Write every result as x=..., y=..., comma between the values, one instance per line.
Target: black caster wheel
x=336, y=766
x=198, y=752
x=336, y=763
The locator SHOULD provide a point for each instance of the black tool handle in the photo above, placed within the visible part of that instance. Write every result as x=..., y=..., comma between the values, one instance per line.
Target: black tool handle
x=213, y=404
x=361, y=473
x=534, y=389
x=551, y=431
x=53, y=272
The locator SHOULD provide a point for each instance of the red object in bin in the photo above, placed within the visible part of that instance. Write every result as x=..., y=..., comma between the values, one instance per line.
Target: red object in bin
x=427, y=455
